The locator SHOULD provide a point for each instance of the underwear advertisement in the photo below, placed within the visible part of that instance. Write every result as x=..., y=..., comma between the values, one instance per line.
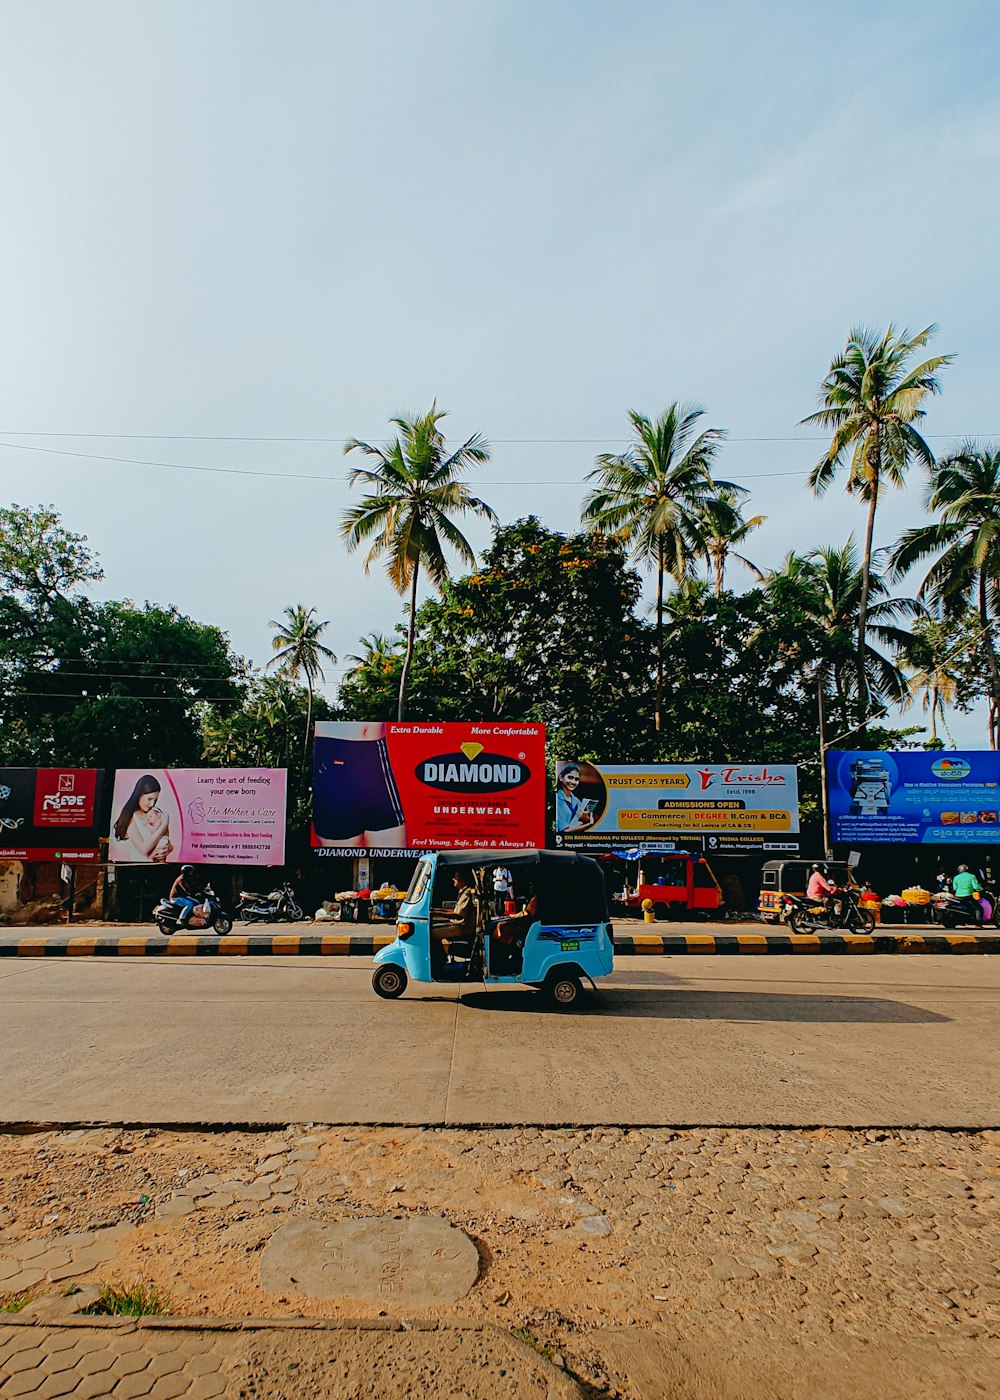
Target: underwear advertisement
x=427, y=786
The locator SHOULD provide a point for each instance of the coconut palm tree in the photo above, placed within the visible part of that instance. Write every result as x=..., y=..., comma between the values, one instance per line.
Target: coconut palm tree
x=870, y=400
x=932, y=678
x=964, y=493
x=378, y=656
x=651, y=495
x=299, y=653
x=406, y=518
x=818, y=595
x=721, y=528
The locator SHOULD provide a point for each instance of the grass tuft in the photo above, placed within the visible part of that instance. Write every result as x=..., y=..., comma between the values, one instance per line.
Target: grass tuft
x=14, y=1302
x=136, y=1299
x=523, y=1334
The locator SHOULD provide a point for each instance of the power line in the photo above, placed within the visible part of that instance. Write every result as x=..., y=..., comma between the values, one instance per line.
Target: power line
x=298, y=476
x=231, y=437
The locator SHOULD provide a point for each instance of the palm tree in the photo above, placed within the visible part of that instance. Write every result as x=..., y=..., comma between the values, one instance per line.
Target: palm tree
x=932, y=678
x=651, y=495
x=818, y=596
x=964, y=493
x=298, y=652
x=870, y=399
x=378, y=655
x=721, y=527
x=415, y=491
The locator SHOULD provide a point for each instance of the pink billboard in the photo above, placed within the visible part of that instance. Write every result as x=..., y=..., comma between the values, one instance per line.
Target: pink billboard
x=229, y=816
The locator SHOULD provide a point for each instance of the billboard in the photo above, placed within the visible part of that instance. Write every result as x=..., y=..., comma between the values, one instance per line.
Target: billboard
x=929, y=796
x=725, y=806
x=235, y=816
x=49, y=813
x=408, y=787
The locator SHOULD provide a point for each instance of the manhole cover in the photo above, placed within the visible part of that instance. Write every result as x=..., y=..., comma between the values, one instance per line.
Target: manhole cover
x=418, y=1263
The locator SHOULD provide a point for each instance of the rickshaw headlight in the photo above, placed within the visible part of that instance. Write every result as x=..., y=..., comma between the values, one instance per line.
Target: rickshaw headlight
x=404, y=930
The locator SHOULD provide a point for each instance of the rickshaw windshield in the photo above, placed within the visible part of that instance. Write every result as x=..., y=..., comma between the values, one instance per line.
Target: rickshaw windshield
x=419, y=883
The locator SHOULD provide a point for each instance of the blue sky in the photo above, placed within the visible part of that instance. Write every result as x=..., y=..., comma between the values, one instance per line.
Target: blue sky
x=291, y=220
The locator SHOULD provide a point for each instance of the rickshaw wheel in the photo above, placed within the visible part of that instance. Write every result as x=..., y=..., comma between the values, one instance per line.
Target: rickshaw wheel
x=389, y=982
x=564, y=991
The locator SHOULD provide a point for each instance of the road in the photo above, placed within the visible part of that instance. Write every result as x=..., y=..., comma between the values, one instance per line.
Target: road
x=873, y=1042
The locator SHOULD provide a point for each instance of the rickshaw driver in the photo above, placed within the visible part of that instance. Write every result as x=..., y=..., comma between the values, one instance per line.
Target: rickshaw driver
x=459, y=923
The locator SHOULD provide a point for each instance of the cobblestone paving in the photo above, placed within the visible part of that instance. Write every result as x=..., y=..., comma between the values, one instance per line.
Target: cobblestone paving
x=91, y=1361
x=810, y=1233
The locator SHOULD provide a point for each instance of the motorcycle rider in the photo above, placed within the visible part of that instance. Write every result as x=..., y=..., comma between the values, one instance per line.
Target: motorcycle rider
x=966, y=888
x=819, y=887
x=184, y=895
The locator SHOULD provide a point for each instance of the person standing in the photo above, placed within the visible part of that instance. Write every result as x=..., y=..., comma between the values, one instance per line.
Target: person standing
x=503, y=889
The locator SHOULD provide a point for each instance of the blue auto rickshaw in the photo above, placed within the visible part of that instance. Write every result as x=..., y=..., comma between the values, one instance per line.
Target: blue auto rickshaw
x=561, y=938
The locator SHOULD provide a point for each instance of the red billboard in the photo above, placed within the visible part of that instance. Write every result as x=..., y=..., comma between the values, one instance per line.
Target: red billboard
x=428, y=786
x=49, y=813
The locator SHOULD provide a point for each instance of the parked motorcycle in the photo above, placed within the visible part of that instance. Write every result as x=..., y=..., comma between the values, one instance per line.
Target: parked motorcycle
x=208, y=913
x=270, y=908
x=949, y=911
x=805, y=915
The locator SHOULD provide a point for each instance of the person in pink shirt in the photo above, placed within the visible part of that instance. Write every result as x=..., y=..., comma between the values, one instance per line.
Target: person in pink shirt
x=819, y=887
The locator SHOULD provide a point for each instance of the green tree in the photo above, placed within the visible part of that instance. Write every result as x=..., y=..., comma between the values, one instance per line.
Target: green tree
x=41, y=562
x=262, y=730
x=933, y=677
x=964, y=493
x=819, y=596
x=544, y=630
x=299, y=653
x=122, y=688
x=870, y=400
x=651, y=495
x=722, y=529
x=415, y=490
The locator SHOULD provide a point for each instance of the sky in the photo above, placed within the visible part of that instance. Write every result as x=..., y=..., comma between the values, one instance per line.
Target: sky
x=237, y=233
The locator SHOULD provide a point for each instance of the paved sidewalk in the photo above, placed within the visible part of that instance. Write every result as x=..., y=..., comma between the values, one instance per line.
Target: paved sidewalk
x=198, y=1359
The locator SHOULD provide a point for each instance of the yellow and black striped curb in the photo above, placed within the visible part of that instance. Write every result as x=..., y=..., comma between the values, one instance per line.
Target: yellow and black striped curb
x=325, y=945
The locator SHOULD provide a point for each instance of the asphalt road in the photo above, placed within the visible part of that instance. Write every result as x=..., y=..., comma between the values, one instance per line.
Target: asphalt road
x=879, y=1041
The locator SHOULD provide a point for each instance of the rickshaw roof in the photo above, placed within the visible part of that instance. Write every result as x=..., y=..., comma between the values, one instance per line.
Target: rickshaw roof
x=564, y=860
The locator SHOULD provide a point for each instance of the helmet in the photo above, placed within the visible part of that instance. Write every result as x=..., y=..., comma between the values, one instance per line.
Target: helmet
x=820, y=869
x=187, y=869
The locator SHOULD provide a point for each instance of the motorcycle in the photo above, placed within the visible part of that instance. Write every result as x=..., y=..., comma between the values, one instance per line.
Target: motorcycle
x=805, y=915
x=208, y=913
x=269, y=908
x=949, y=911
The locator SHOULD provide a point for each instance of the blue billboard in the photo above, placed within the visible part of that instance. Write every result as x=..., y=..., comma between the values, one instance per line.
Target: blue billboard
x=933, y=796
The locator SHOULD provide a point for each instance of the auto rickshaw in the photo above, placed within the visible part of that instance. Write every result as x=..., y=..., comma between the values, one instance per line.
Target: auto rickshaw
x=563, y=937
x=779, y=878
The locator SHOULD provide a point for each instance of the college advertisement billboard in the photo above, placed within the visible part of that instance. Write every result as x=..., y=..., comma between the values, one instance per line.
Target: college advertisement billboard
x=389, y=789
x=724, y=806
x=49, y=813
x=229, y=816
x=929, y=796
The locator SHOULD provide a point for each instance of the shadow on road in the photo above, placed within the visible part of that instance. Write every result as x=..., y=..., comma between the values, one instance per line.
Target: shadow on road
x=716, y=1006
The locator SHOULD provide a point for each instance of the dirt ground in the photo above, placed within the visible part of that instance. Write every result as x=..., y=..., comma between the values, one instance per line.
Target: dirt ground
x=718, y=1262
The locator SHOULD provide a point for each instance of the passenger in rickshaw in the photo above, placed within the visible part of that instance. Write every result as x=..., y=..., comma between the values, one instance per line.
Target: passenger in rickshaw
x=454, y=925
x=507, y=938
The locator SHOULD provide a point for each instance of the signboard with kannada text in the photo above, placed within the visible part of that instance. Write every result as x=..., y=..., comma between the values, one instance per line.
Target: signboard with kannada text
x=49, y=813
x=392, y=788
x=730, y=806
x=930, y=797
